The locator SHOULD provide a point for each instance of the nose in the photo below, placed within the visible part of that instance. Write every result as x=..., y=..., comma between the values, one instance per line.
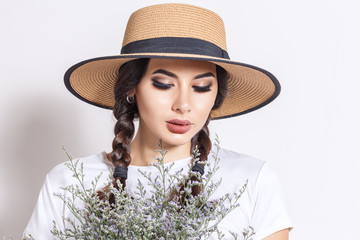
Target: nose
x=182, y=101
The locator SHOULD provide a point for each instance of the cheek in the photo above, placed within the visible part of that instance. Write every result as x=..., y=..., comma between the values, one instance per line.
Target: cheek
x=204, y=102
x=202, y=106
x=151, y=102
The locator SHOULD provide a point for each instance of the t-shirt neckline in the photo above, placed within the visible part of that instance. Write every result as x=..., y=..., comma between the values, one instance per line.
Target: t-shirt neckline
x=183, y=161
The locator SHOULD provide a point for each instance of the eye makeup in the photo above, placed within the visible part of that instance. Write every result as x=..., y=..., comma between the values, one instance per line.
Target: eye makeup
x=202, y=89
x=160, y=85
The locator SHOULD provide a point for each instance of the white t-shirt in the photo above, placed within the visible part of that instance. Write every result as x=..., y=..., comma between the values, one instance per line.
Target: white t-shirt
x=261, y=206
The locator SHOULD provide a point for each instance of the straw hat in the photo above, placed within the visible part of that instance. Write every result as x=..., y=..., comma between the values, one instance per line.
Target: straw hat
x=176, y=31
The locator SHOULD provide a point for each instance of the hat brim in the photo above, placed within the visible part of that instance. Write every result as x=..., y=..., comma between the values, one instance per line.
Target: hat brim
x=249, y=87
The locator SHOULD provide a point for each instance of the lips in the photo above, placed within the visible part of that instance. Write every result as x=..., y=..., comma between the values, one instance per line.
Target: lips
x=178, y=126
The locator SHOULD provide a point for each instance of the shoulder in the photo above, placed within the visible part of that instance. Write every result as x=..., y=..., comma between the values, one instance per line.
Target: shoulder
x=261, y=205
x=240, y=165
x=231, y=159
x=235, y=169
x=62, y=175
x=49, y=206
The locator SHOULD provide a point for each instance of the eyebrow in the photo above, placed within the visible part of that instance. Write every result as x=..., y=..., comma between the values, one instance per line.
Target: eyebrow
x=162, y=71
x=170, y=74
x=208, y=74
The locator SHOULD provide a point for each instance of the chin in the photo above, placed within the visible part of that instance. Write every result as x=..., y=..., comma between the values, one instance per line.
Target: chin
x=177, y=139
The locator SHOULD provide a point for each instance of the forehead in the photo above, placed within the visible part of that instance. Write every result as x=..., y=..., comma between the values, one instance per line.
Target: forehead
x=179, y=65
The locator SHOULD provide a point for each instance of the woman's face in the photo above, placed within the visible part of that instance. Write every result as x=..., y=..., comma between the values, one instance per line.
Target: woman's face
x=175, y=98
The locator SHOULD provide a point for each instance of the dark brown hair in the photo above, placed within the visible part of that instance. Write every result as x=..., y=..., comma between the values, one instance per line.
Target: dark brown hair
x=130, y=75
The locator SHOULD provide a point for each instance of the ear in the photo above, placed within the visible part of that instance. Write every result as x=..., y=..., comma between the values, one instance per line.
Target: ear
x=131, y=93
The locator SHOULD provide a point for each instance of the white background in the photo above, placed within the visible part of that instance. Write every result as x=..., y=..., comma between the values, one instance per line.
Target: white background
x=310, y=134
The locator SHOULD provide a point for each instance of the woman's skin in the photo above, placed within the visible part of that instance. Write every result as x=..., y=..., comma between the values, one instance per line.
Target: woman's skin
x=174, y=89
x=280, y=235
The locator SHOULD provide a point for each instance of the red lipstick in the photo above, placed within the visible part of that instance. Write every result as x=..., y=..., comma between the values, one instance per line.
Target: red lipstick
x=178, y=126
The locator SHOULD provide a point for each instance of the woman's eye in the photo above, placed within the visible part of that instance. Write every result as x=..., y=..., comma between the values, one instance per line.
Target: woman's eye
x=202, y=89
x=160, y=85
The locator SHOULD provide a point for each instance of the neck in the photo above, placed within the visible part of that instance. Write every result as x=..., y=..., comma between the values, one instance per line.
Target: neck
x=143, y=151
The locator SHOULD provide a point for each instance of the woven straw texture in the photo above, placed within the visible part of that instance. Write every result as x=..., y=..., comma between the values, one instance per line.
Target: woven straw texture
x=175, y=20
x=249, y=87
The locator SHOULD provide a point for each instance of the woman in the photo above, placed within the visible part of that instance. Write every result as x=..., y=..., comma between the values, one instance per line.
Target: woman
x=174, y=75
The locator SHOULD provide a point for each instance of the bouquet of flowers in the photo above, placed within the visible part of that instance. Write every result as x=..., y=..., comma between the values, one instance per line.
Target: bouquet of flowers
x=135, y=216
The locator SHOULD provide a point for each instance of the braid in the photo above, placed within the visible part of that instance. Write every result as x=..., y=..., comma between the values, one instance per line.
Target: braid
x=203, y=143
x=125, y=113
x=124, y=132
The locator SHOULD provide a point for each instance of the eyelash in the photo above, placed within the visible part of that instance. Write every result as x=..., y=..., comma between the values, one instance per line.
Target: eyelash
x=164, y=86
x=202, y=89
x=160, y=85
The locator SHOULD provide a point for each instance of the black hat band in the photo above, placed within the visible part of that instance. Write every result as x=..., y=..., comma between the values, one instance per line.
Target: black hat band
x=175, y=45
